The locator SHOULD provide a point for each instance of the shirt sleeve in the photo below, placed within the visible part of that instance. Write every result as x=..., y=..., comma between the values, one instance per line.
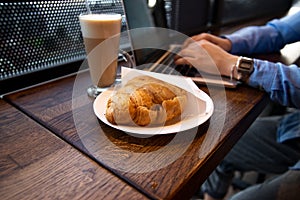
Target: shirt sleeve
x=265, y=39
x=281, y=82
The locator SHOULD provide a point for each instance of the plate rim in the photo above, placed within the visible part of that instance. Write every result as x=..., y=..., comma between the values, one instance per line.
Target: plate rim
x=162, y=130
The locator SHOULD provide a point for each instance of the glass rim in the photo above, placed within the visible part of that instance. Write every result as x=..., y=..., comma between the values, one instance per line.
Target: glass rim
x=111, y=14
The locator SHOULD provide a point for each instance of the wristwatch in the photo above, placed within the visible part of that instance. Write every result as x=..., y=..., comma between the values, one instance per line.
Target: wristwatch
x=244, y=68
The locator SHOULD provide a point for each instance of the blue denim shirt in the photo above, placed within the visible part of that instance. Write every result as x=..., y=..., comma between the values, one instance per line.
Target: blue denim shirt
x=281, y=82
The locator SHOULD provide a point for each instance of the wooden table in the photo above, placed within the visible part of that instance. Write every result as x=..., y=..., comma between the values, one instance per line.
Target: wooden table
x=169, y=166
x=36, y=164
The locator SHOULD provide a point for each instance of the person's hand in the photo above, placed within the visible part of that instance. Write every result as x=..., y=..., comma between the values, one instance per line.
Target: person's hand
x=221, y=42
x=206, y=57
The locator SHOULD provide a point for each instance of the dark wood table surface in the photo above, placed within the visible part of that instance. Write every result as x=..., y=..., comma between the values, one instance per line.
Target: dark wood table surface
x=169, y=166
x=36, y=164
x=54, y=147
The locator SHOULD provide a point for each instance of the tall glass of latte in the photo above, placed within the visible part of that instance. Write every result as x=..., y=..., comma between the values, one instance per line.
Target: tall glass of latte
x=101, y=35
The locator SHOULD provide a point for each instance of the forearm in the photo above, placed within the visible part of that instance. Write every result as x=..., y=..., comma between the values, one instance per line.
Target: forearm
x=251, y=40
x=265, y=39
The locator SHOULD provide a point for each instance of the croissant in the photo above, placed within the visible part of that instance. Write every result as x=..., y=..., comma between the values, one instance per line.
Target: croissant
x=145, y=101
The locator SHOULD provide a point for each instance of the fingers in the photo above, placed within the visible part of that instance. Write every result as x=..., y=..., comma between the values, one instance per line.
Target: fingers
x=221, y=42
x=197, y=54
x=187, y=42
x=186, y=54
x=199, y=37
x=181, y=61
x=207, y=57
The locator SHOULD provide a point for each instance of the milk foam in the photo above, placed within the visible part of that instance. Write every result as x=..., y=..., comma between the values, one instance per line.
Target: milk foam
x=100, y=25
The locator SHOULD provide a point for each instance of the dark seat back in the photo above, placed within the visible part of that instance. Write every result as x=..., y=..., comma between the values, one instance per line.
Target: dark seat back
x=237, y=11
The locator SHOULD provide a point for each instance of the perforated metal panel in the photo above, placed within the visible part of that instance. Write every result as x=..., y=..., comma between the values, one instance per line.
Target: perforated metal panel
x=35, y=35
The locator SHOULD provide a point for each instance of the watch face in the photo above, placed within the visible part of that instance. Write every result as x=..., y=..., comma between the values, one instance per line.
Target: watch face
x=245, y=65
x=245, y=68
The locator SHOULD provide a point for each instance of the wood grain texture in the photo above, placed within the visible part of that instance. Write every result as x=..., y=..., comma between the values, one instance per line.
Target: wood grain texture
x=35, y=164
x=164, y=167
x=145, y=163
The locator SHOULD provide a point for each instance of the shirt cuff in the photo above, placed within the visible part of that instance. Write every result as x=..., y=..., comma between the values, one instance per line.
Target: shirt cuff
x=261, y=77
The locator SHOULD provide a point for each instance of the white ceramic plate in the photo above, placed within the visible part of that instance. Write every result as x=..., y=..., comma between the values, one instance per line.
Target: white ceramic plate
x=196, y=113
